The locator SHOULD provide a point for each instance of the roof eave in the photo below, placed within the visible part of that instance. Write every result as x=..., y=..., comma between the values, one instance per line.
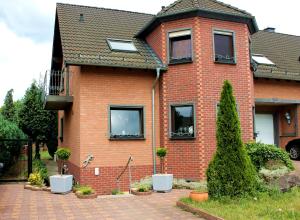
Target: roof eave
x=249, y=20
x=76, y=63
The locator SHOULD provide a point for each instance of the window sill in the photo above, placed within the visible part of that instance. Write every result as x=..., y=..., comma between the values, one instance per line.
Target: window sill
x=180, y=61
x=182, y=138
x=225, y=62
x=126, y=138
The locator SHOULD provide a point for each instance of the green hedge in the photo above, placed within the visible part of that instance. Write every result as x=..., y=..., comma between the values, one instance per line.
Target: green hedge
x=261, y=153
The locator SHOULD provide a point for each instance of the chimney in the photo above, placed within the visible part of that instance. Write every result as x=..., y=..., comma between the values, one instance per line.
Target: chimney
x=163, y=7
x=270, y=29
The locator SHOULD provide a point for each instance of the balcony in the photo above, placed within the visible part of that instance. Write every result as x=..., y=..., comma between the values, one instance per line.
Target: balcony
x=57, y=90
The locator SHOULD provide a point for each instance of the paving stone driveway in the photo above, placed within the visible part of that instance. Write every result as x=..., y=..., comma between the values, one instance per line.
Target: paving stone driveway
x=17, y=203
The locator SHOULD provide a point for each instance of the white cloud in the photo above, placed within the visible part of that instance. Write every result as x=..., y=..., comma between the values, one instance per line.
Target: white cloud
x=21, y=61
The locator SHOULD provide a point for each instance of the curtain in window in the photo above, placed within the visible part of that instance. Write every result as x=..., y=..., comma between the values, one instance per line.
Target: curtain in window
x=224, y=45
x=181, y=48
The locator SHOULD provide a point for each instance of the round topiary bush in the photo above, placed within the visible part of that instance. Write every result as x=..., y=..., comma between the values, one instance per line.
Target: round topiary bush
x=231, y=172
x=261, y=153
x=63, y=153
x=161, y=153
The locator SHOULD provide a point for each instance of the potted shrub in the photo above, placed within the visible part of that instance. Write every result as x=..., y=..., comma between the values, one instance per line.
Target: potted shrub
x=61, y=183
x=162, y=182
x=199, y=195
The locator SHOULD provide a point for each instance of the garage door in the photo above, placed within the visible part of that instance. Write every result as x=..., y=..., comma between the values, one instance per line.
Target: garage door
x=264, y=124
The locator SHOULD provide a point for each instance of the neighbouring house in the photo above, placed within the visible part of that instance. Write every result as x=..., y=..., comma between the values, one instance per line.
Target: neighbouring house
x=125, y=83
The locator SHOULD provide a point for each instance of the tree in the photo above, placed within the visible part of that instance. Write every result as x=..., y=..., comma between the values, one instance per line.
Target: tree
x=10, y=150
x=36, y=122
x=8, y=109
x=231, y=172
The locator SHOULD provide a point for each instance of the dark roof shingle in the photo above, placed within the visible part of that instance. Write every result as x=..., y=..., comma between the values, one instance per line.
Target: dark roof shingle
x=209, y=5
x=85, y=42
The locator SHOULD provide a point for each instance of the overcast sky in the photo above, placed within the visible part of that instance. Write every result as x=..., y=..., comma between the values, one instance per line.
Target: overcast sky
x=26, y=31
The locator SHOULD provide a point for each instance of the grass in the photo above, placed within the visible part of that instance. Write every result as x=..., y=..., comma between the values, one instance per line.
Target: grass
x=45, y=155
x=280, y=206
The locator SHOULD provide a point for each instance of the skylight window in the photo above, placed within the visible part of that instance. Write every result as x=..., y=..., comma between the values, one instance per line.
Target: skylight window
x=261, y=59
x=121, y=45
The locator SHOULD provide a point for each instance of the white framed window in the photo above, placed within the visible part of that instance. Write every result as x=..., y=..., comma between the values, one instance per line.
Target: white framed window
x=261, y=59
x=121, y=45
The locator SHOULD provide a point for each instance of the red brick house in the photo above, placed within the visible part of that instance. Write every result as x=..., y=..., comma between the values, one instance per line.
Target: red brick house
x=125, y=83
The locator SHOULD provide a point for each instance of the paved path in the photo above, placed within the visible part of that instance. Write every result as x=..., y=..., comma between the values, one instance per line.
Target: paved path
x=18, y=203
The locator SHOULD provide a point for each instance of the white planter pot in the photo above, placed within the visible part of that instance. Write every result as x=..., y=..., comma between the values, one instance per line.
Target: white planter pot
x=162, y=182
x=61, y=183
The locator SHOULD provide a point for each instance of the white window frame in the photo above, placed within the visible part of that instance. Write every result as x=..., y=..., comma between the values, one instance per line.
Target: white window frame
x=130, y=42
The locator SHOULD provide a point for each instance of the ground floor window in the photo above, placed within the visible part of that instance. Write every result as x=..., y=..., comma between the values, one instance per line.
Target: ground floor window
x=182, y=121
x=126, y=122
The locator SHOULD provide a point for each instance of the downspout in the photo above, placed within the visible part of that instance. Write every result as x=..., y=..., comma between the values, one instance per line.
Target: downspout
x=153, y=120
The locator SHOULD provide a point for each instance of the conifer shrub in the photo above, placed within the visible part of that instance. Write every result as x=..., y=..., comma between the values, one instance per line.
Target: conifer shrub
x=231, y=172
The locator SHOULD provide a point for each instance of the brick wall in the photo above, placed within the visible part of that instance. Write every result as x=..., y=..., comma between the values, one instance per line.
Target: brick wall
x=71, y=118
x=200, y=83
x=279, y=89
x=86, y=126
x=268, y=88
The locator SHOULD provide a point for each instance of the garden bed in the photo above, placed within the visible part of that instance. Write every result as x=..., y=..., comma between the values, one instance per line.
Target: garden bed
x=277, y=206
x=137, y=193
x=37, y=188
x=89, y=196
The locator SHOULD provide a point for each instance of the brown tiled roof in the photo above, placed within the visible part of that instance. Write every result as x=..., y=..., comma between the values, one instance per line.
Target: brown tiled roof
x=85, y=42
x=209, y=5
x=283, y=50
x=212, y=9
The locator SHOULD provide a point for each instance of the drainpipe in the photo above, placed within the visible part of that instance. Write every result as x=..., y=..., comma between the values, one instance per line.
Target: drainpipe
x=153, y=120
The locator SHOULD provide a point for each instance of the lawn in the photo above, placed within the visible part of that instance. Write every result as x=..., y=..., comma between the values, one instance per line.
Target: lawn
x=282, y=206
x=45, y=155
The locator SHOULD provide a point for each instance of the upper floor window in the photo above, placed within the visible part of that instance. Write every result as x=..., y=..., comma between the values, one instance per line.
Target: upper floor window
x=126, y=122
x=180, y=47
x=182, y=121
x=224, y=47
x=121, y=45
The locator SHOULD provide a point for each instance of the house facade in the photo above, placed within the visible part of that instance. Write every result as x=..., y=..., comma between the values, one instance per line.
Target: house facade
x=126, y=83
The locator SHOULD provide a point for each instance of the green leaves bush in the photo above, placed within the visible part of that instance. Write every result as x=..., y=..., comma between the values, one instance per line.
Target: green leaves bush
x=85, y=190
x=35, y=179
x=63, y=153
x=261, y=153
x=161, y=152
x=144, y=188
x=9, y=150
x=39, y=166
x=230, y=173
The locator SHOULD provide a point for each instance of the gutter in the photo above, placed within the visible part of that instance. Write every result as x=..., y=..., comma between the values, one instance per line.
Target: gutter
x=153, y=120
x=158, y=19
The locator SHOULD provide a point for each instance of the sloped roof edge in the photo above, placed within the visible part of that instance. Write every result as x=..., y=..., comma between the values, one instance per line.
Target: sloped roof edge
x=157, y=20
